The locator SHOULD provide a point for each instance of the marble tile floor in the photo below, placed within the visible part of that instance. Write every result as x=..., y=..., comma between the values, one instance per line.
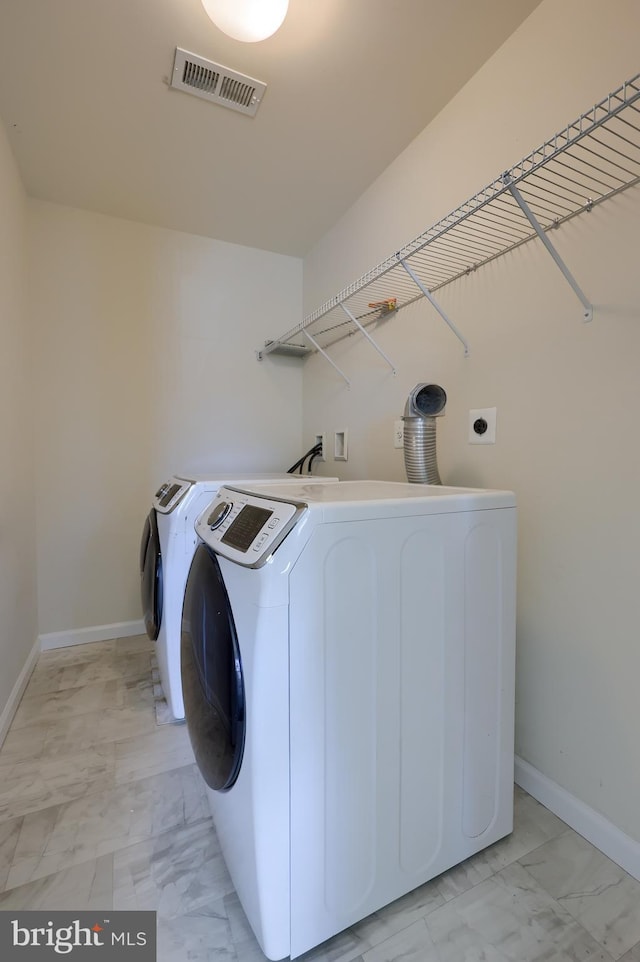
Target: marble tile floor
x=102, y=807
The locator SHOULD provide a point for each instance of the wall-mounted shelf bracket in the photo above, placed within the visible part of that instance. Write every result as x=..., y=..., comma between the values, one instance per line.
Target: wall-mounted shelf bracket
x=277, y=347
x=371, y=341
x=427, y=293
x=533, y=220
x=326, y=356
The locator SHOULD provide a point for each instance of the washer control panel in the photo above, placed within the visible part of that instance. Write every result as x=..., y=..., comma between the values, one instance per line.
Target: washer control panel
x=246, y=528
x=170, y=494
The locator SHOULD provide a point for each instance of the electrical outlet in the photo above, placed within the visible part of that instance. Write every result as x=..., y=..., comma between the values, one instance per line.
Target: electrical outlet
x=321, y=439
x=482, y=426
x=340, y=446
x=398, y=433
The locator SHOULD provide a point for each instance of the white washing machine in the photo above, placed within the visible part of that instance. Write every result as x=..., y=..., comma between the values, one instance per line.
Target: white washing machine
x=166, y=549
x=348, y=675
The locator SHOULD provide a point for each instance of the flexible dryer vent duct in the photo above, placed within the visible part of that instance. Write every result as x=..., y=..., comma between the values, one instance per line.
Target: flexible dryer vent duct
x=424, y=404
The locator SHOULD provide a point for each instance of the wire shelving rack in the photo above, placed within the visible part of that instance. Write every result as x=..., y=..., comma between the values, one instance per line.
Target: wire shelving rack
x=590, y=160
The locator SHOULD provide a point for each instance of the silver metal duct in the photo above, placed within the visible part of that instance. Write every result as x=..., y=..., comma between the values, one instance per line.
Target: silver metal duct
x=424, y=404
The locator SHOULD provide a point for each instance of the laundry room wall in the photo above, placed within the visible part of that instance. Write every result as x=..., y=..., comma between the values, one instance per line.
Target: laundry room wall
x=145, y=365
x=18, y=626
x=567, y=395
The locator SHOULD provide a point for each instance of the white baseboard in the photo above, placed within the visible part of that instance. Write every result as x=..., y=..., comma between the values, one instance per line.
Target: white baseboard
x=11, y=707
x=598, y=830
x=84, y=636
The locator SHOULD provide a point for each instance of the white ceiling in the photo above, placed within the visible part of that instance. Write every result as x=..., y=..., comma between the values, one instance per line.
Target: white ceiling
x=93, y=124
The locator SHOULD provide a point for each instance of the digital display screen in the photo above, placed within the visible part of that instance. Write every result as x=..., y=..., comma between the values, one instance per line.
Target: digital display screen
x=169, y=494
x=246, y=526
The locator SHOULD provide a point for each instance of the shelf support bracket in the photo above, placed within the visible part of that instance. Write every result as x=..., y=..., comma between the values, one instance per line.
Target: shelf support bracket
x=429, y=296
x=537, y=226
x=326, y=357
x=367, y=335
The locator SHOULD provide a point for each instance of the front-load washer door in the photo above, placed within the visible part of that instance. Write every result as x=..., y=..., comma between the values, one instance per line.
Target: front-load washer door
x=151, y=576
x=211, y=668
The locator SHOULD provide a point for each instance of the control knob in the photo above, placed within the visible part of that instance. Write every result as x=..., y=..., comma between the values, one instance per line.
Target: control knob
x=219, y=513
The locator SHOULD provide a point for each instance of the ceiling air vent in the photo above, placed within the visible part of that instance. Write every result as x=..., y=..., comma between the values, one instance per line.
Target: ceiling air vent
x=216, y=83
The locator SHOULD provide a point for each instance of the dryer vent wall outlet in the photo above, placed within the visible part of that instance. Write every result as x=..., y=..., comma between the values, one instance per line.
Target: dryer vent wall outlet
x=482, y=426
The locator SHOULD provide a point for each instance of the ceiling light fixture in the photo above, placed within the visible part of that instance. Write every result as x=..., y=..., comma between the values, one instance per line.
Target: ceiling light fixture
x=247, y=20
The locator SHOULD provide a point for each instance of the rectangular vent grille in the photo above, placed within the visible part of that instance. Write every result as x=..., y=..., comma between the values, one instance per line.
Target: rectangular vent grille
x=218, y=84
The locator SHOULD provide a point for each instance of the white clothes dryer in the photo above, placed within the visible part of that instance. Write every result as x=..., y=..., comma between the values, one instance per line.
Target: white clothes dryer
x=166, y=549
x=348, y=676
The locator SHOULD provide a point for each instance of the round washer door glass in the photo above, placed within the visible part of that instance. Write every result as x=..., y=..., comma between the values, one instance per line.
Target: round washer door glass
x=151, y=576
x=211, y=667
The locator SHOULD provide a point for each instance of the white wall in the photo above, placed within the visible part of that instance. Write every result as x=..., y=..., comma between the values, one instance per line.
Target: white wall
x=145, y=365
x=18, y=628
x=568, y=394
